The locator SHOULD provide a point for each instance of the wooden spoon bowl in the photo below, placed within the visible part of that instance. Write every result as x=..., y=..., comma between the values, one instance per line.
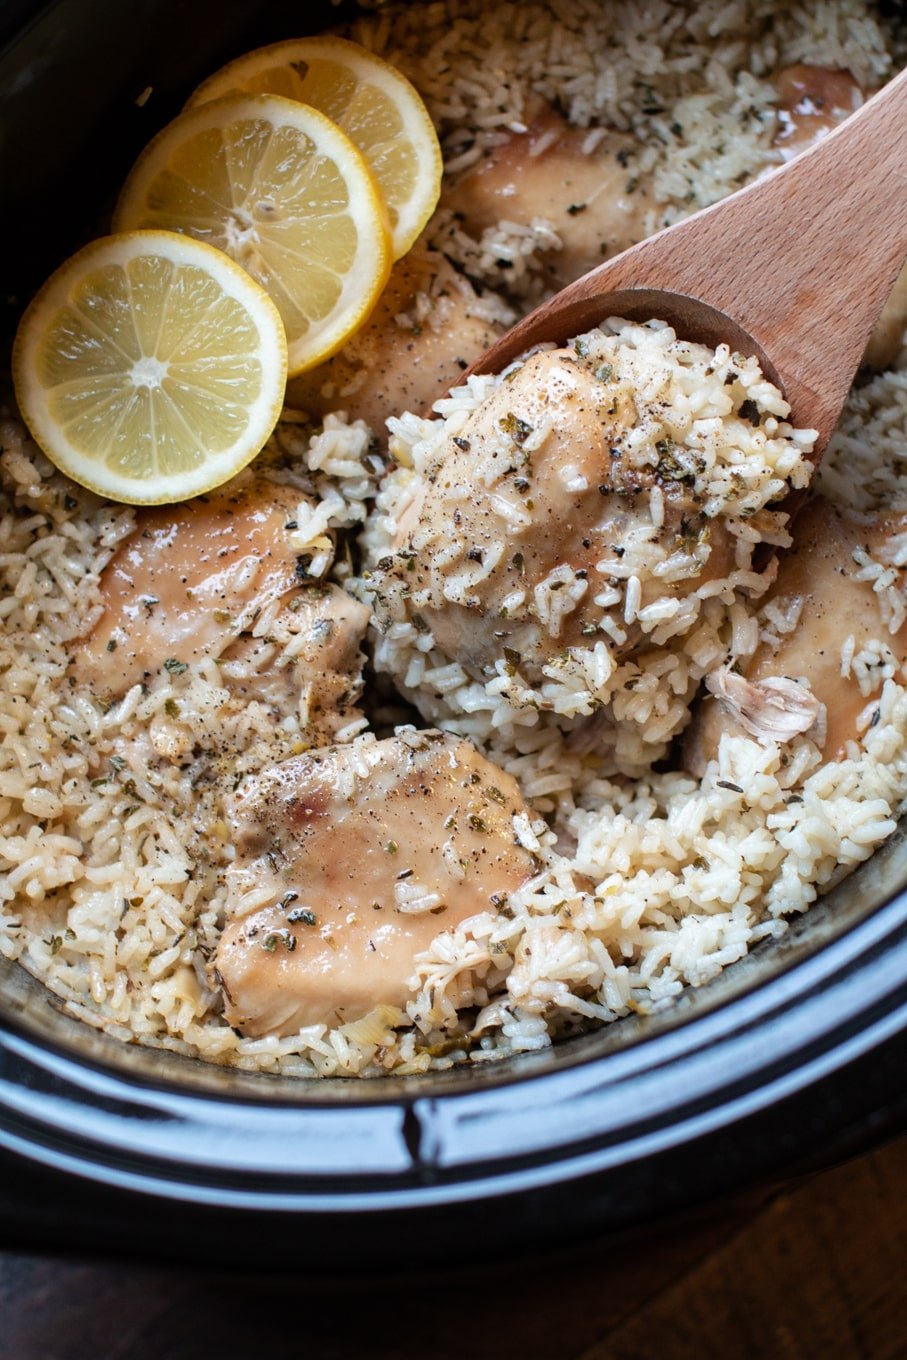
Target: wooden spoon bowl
x=795, y=269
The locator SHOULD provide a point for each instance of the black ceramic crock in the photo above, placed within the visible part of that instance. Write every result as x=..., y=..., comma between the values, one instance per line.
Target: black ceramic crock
x=791, y=1059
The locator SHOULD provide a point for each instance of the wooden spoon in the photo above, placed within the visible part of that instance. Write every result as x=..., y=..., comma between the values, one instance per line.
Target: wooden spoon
x=794, y=269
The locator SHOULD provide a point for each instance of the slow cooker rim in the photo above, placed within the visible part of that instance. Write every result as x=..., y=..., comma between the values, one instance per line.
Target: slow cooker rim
x=709, y=1072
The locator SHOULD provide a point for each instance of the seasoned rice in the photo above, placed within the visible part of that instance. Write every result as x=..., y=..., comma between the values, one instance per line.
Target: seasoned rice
x=687, y=401
x=114, y=845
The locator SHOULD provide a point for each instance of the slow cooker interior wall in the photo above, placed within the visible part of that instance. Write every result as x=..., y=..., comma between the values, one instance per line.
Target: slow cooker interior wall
x=72, y=78
x=75, y=112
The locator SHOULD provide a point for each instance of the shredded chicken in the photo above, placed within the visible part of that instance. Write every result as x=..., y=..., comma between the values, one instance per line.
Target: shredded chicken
x=776, y=708
x=818, y=587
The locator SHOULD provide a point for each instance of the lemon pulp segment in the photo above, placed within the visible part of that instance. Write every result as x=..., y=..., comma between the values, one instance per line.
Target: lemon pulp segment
x=286, y=195
x=150, y=367
x=374, y=104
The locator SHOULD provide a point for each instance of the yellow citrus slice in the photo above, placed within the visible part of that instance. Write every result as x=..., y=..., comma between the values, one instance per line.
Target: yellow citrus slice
x=285, y=193
x=377, y=107
x=150, y=367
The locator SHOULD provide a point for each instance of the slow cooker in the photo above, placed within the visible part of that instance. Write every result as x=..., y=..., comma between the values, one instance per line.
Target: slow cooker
x=791, y=1059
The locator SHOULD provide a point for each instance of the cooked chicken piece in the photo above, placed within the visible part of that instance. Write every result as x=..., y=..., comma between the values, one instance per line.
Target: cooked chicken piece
x=593, y=200
x=416, y=344
x=476, y=552
x=812, y=101
x=202, y=579
x=309, y=659
x=887, y=339
x=817, y=581
x=777, y=707
x=366, y=852
x=187, y=580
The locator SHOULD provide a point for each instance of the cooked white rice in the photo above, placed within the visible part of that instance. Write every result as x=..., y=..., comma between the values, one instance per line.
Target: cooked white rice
x=688, y=401
x=113, y=842
x=690, y=81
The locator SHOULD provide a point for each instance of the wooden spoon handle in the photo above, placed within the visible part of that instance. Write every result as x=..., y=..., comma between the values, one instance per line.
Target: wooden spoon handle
x=803, y=260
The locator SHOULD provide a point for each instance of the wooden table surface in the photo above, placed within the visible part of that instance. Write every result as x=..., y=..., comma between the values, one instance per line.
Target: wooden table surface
x=818, y=1272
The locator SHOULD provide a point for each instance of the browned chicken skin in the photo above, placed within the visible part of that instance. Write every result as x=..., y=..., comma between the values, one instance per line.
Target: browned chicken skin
x=598, y=206
x=366, y=852
x=819, y=574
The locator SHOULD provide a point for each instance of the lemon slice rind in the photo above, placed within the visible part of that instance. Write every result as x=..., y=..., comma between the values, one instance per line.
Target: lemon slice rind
x=276, y=68
x=143, y=204
x=31, y=354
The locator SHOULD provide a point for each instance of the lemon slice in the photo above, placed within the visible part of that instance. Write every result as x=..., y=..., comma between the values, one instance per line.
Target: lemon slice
x=150, y=367
x=285, y=193
x=377, y=107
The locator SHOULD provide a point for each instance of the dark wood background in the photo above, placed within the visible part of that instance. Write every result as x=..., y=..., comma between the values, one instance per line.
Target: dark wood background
x=817, y=1272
